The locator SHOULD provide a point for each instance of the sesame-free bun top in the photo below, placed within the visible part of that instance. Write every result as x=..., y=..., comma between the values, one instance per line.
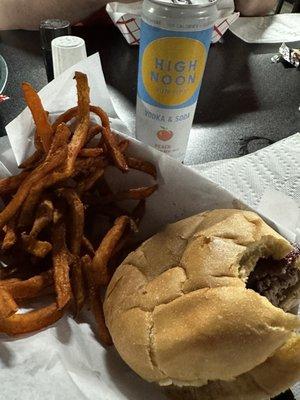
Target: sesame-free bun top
x=178, y=309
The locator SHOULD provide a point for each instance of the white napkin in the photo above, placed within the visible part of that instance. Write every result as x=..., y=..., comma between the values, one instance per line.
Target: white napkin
x=127, y=18
x=296, y=391
x=271, y=29
x=267, y=180
x=66, y=361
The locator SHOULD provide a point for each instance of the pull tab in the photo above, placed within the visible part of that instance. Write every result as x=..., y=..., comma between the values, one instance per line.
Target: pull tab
x=182, y=2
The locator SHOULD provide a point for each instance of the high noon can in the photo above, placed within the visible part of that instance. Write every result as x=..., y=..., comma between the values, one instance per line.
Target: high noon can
x=175, y=40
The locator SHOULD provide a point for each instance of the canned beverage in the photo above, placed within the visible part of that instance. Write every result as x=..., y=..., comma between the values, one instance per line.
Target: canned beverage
x=175, y=39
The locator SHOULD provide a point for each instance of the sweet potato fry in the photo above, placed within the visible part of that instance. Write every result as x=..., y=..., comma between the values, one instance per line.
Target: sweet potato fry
x=131, y=194
x=110, y=139
x=86, y=164
x=77, y=218
x=87, y=246
x=60, y=137
x=37, y=140
x=83, y=95
x=34, y=196
x=141, y=165
x=136, y=216
x=32, y=321
x=102, y=115
x=44, y=216
x=90, y=152
x=40, y=117
x=136, y=193
x=10, y=237
x=93, y=131
x=65, y=117
x=71, y=113
x=78, y=289
x=59, y=140
x=79, y=138
x=35, y=247
x=82, y=164
x=48, y=165
x=97, y=310
x=95, y=302
x=8, y=306
x=60, y=261
x=29, y=288
x=88, y=182
x=106, y=249
x=32, y=161
x=123, y=145
x=12, y=183
x=112, y=145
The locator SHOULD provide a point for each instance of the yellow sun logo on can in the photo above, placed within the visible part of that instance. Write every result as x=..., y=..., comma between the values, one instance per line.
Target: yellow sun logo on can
x=172, y=69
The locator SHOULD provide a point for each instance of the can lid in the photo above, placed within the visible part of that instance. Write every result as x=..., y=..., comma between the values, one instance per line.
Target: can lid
x=52, y=28
x=197, y=3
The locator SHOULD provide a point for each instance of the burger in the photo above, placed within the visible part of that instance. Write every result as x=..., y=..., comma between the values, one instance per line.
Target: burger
x=203, y=308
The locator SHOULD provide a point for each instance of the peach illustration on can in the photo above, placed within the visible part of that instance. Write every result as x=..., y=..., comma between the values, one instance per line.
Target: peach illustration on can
x=164, y=134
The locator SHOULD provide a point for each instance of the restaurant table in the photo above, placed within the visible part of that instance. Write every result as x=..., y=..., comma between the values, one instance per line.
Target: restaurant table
x=246, y=101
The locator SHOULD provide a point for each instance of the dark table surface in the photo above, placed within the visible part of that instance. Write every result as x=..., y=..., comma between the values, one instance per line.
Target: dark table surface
x=245, y=98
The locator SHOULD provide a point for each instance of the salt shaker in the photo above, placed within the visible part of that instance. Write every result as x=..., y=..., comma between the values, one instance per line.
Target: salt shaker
x=50, y=29
x=67, y=51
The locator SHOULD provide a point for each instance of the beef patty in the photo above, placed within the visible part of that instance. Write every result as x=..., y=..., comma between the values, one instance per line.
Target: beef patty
x=274, y=278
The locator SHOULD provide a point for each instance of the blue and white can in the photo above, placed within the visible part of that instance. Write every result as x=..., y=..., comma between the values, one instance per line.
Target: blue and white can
x=175, y=40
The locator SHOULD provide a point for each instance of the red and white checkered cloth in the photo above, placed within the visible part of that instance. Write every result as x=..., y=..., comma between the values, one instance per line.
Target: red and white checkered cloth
x=222, y=25
x=130, y=27
x=127, y=18
x=3, y=98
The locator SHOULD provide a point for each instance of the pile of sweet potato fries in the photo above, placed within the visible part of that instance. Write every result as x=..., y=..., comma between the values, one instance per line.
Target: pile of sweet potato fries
x=62, y=227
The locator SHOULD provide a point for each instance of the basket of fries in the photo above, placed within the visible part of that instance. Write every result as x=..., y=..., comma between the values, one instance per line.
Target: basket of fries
x=52, y=241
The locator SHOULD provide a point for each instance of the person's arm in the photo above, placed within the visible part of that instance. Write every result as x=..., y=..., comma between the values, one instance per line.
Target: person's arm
x=255, y=7
x=27, y=14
